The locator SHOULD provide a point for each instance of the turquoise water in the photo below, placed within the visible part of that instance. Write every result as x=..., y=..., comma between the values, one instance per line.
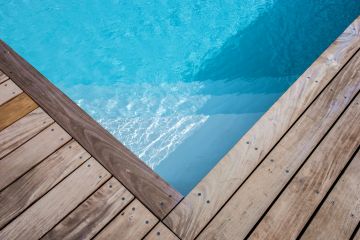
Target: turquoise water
x=178, y=82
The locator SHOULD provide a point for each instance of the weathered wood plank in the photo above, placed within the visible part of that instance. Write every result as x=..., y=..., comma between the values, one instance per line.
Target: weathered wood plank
x=161, y=232
x=289, y=214
x=31, y=153
x=261, y=188
x=141, y=181
x=22, y=130
x=8, y=90
x=56, y=204
x=3, y=77
x=194, y=212
x=15, y=109
x=34, y=184
x=132, y=223
x=92, y=215
x=340, y=213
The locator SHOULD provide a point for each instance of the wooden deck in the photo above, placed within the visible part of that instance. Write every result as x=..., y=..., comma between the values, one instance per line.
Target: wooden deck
x=294, y=175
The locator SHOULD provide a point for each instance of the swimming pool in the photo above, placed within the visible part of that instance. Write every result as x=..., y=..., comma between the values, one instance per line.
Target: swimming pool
x=178, y=82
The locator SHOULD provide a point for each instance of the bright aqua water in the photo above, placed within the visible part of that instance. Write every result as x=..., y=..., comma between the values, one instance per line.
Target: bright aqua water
x=178, y=82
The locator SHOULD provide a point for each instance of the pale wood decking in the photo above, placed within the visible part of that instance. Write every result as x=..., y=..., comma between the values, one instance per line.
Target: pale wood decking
x=295, y=174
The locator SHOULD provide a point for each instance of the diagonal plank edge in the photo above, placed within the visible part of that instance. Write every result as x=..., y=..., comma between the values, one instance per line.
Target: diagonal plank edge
x=192, y=214
x=258, y=192
x=99, y=209
x=340, y=213
x=138, y=178
x=292, y=210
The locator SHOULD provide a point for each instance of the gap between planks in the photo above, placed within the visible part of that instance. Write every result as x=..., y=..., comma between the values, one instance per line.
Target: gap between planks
x=340, y=213
x=57, y=203
x=291, y=211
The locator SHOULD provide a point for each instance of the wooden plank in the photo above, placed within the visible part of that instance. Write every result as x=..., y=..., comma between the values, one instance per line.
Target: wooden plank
x=22, y=130
x=15, y=109
x=34, y=184
x=8, y=90
x=289, y=214
x=3, y=77
x=141, y=181
x=98, y=210
x=340, y=213
x=161, y=232
x=261, y=188
x=31, y=153
x=132, y=223
x=56, y=204
x=192, y=214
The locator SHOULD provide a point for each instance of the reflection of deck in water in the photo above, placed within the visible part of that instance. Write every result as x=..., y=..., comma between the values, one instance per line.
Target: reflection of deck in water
x=295, y=172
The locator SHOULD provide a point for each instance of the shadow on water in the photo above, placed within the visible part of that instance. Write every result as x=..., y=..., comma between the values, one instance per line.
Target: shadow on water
x=282, y=42
x=263, y=59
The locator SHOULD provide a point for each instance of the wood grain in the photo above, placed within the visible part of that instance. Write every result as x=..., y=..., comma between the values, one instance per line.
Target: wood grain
x=194, y=212
x=257, y=193
x=340, y=213
x=34, y=184
x=22, y=130
x=31, y=153
x=56, y=204
x=92, y=215
x=3, y=77
x=15, y=109
x=8, y=90
x=131, y=224
x=289, y=214
x=141, y=181
x=161, y=232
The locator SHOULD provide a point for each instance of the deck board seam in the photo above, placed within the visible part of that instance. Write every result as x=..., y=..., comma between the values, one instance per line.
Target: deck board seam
x=13, y=95
x=299, y=169
x=36, y=163
x=116, y=215
x=30, y=137
x=82, y=203
x=356, y=230
x=35, y=201
x=327, y=194
x=276, y=144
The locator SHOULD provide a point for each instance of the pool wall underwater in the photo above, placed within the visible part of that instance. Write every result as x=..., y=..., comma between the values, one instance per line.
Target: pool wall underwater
x=178, y=83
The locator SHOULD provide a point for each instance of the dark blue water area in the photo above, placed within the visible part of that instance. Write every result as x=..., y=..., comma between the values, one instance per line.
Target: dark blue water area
x=178, y=82
x=266, y=57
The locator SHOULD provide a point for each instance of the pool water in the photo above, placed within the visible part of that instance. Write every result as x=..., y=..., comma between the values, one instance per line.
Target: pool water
x=178, y=82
